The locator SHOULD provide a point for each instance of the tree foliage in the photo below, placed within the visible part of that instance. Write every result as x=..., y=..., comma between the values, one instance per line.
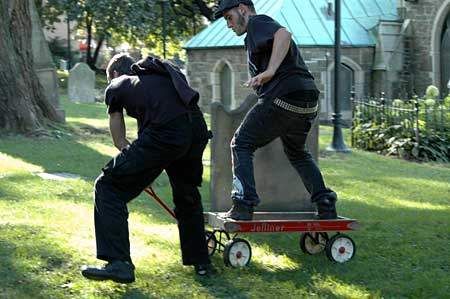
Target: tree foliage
x=101, y=18
x=139, y=22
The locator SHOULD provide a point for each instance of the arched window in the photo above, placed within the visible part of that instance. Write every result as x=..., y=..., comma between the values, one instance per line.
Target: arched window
x=225, y=85
x=347, y=83
x=445, y=56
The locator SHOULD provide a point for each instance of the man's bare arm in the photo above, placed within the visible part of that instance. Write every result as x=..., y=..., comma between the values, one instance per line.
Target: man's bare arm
x=118, y=130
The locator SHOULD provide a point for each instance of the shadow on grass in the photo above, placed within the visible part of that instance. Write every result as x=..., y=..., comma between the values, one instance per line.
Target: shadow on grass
x=17, y=283
x=87, y=131
x=393, y=244
x=27, y=258
x=11, y=187
x=56, y=156
x=32, y=265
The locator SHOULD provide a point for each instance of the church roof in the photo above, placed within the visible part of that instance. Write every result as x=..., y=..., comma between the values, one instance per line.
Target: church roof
x=309, y=23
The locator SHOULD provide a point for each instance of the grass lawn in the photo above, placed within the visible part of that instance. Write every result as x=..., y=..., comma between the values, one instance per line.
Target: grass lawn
x=46, y=228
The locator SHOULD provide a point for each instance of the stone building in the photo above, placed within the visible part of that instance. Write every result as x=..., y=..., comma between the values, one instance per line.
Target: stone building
x=395, y=46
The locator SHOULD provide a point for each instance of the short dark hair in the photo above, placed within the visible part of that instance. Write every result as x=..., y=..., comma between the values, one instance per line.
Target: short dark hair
x=120, y=63
x=251, y=7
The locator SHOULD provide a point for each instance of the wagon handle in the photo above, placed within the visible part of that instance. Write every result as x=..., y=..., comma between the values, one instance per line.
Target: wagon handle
x=152, y=193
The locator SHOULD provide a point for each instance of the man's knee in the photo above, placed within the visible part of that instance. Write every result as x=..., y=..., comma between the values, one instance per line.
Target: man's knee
x=233, y=141
x=298, y=154
x=103, y=181
x=239, y=144
x=188, y=206
x=103, y=188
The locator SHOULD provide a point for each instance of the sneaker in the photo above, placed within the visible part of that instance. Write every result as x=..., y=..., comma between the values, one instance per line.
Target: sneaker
x=326, y=208
x=118, y=271
x=240, y=211
x=205, y=270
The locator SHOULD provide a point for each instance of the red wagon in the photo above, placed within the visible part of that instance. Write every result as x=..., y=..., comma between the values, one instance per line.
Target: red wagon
x=314, y=237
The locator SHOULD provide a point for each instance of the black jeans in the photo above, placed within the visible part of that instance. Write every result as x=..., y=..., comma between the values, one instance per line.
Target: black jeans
x=264, y=123
x=176, y=148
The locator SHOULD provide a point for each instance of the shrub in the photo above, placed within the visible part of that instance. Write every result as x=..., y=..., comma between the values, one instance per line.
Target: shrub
x=417, y=129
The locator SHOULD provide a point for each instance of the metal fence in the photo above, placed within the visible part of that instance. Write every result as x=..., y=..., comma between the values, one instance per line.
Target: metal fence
x=418, y=118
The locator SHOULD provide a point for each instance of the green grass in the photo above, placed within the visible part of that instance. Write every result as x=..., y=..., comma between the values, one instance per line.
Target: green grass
x=46, y=227
x=63, y=76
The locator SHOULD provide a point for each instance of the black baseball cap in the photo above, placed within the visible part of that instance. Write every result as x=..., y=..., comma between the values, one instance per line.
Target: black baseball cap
x=228, y=4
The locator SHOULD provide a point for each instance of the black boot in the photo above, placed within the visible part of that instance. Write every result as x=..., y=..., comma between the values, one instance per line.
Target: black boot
x=240, y=211
x=118, y=271
x=205, y=270
x=326, y=208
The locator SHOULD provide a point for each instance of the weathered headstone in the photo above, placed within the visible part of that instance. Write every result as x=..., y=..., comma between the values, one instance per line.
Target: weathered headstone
x=278, y=184
x=81, y=84
x=43, y=62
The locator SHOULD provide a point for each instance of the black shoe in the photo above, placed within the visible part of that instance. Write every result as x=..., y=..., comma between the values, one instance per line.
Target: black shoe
x=326, y=208
x=118, y=271
x=205, y=270
x=240, y=211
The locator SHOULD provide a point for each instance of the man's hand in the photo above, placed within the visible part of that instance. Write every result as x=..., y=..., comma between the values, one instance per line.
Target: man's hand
x=260, y=79
x=125, y=148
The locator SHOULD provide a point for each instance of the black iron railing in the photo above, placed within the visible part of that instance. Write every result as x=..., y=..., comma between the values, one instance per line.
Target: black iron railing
x=418, y=125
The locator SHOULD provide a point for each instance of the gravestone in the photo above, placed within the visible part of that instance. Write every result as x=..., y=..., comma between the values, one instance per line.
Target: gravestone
x=43, y=62
x=81, y=84
x=277, y=183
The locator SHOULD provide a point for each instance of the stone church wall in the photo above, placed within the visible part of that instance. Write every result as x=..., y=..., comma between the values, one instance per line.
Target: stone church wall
x=203, y=66
x=425, y=16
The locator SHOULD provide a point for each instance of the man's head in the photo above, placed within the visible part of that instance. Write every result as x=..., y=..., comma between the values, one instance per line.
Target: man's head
x=119, y=65
x=236, y=14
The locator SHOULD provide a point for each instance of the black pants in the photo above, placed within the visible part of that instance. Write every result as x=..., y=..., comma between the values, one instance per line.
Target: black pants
x=262, y=124
x=176, y=148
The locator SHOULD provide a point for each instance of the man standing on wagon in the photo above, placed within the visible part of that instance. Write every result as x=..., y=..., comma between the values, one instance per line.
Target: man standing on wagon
x=286, y=108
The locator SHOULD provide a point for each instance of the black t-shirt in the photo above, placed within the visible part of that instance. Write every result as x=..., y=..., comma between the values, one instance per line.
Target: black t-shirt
x=151, y=99
x=292, y=74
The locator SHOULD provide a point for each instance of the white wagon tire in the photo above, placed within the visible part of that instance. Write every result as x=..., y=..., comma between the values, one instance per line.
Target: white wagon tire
x=340, y=248
x=237, y=253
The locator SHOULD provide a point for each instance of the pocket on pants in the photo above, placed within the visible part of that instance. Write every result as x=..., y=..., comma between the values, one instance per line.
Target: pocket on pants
x=122, y=164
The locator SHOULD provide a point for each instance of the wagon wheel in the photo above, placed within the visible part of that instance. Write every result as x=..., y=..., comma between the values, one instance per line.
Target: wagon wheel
x=237, y=253
x=211, y=242
x=340, y=248
x=314, y=242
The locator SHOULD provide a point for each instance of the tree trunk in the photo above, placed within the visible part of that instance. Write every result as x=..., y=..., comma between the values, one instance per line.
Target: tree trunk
x=89, y=59
x=97, y=51
x=23, y=105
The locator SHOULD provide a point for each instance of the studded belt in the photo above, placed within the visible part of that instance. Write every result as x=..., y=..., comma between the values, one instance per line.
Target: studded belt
x=289, y=107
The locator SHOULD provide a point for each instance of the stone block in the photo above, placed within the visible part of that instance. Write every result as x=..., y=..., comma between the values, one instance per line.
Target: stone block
x=81, y=84
x=278, y=184
x=43, y=62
